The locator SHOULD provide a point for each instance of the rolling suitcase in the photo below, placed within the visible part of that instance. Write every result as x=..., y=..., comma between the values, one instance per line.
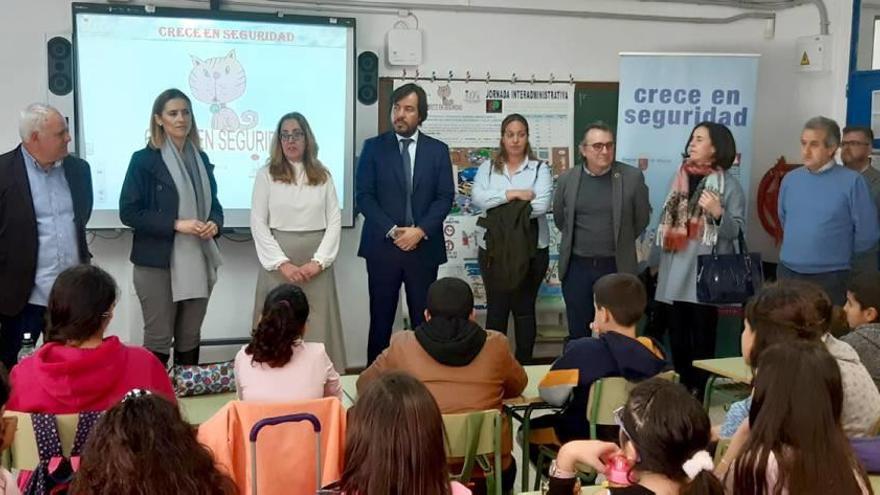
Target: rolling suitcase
x=277, y=420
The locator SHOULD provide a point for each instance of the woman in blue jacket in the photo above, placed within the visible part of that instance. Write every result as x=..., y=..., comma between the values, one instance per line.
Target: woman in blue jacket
x=169, y=199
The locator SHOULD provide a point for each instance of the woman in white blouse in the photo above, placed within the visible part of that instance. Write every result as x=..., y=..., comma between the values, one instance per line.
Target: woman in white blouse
x=296, y=225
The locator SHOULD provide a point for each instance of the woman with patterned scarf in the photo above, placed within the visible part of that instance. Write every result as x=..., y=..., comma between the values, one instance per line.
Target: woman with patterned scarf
x=705, y=208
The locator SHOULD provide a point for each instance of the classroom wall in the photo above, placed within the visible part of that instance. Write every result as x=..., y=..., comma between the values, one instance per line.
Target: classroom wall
x=870, y=11
x=459, y=41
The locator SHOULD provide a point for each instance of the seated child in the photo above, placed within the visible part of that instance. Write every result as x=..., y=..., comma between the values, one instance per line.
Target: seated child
x=664, y=434
x=465, y=367
x=79, y=368
x=394, y=441
x=620, y=301
x=862, y=310
x=142, y=445
x=794, y=429
x=802, y=311
x=277, y=365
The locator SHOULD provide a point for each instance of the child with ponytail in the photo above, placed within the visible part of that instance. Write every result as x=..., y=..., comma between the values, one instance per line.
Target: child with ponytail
x=277, y=365
x=664, y=433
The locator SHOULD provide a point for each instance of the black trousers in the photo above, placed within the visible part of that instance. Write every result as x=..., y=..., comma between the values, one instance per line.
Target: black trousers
x=521, y=301
x=31, y=319
x=384, y=277
x=692, y=331
x=577, y=291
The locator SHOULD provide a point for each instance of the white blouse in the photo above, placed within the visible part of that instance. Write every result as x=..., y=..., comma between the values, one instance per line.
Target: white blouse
x=295, y=207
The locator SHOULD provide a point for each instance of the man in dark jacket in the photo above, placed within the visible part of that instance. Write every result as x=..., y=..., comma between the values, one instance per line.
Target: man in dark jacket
x=45, y=204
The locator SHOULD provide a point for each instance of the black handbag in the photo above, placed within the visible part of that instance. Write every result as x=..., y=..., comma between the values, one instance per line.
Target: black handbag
x=729, y=278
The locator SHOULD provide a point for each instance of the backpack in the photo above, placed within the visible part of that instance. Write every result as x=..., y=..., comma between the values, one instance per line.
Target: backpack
x=55, y=472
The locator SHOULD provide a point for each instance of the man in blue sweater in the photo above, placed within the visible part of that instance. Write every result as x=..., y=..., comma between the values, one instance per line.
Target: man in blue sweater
x=826, y=212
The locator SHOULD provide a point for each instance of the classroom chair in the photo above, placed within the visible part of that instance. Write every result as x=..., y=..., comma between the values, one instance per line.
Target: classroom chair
x=23, y=453
x=286, y=453
x=475, y=437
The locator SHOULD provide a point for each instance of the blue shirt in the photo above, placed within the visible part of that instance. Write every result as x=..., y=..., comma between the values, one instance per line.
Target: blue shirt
x=738, y=412
x=490, y=190
x=56, y=232
x=827, y=216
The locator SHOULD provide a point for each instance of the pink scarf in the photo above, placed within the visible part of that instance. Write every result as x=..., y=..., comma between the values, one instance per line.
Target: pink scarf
x=683, y=219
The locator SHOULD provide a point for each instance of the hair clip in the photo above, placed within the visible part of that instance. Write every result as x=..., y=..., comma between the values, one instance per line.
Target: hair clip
x=135, y=393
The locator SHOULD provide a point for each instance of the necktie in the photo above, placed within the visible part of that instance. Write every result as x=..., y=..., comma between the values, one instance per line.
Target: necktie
x=407, y=177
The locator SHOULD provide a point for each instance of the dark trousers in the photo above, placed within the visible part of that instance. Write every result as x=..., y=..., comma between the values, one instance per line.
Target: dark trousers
x=577, y=290
x=692, y=332
x=31, y=319
x=833, y=283
x=521, y=301
x=384, y=276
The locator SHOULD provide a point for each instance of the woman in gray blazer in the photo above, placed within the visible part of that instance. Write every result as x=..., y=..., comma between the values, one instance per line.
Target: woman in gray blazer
x=705, y=208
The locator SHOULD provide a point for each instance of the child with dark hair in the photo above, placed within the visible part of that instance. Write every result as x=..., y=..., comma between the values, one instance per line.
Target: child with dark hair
x=620, y=301
x=142, y=446
x=796, y=311
x=793, y=442
x=465, y=367
x=664, y=433
x=862, y=310
x=278, y=365
x=79, y=369
x=394, y=441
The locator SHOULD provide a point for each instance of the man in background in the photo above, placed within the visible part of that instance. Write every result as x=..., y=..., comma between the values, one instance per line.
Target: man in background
x=45, y=203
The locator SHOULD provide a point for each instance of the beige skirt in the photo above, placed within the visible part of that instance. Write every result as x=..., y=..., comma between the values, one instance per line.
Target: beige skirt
x=325, y=324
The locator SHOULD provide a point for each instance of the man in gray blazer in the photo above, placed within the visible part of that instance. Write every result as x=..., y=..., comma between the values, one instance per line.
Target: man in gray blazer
x=855, y=152
x=600, y=208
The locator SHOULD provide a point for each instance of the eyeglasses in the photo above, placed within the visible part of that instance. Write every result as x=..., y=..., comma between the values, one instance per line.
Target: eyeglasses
x=598, y=147
x=854, y=143
x=293, y=136
x=618, y=420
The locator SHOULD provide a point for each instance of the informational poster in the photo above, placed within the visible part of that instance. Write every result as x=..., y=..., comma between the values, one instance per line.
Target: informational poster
x=467, y=117
x=662, y=98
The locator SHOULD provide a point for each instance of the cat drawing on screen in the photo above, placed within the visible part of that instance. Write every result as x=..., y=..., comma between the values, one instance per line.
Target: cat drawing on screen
x=218, y=81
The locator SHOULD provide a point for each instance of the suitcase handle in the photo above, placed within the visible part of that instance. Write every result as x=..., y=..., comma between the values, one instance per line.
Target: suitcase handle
x=287, y=418
x=277, y=420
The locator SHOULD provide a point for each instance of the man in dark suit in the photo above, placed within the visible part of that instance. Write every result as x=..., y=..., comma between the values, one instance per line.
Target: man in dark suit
x=600, y=208
x=45, y=203
x=404, y=188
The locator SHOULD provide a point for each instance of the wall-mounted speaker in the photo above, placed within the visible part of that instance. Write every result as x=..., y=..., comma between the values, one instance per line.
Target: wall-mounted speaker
x=60, y=57
x=368, y=78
